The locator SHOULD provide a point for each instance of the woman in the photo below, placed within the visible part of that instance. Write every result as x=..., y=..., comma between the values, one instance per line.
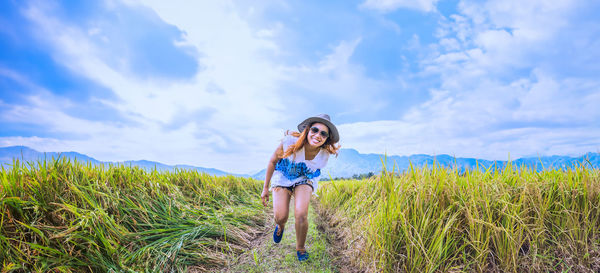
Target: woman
x=295, y=167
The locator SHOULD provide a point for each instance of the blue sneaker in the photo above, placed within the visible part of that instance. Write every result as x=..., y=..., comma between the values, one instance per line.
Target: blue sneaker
x=302, y=255
x=277, y=238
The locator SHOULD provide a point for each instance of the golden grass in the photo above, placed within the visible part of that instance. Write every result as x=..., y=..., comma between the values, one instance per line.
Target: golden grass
x=62, y=216
x=439, y=220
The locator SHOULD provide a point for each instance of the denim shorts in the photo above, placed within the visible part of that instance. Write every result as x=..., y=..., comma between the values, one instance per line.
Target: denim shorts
x=292, y=187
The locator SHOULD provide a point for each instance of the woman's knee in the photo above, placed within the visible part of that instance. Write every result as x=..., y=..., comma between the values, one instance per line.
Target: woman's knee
x=281, y=218
x=301, y=216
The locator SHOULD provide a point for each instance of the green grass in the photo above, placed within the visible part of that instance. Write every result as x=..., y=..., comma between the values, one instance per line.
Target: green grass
x=270, y=257
x=438, y=220
x=62, y=216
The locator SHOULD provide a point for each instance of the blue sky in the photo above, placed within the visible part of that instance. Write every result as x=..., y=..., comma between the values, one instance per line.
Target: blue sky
x=216, y=83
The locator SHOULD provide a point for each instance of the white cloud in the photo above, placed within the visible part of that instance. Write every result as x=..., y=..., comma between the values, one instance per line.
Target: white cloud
x=337, y=84
x=233, y=57
x=496, y=88
x=231, y=110
x=531, y=20
x=503, y=39
x=501, y=90
x=391, y=5
x=407, y=137
x=450, y=44
x=339, y=59
x=562, y=101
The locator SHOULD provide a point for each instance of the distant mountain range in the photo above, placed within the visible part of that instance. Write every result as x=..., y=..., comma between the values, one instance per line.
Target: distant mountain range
x=348, y=163
x=27, y=154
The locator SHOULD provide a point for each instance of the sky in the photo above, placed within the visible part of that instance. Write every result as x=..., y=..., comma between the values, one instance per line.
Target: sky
x=217, y=83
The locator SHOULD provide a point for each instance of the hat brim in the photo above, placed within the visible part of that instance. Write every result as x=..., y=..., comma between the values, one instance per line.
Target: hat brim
x=333, y=132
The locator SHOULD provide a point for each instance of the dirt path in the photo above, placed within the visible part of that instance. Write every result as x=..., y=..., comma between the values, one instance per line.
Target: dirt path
x=266, y=256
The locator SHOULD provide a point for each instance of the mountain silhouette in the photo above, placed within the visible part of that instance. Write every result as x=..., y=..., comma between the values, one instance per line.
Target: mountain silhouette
x=349, y=162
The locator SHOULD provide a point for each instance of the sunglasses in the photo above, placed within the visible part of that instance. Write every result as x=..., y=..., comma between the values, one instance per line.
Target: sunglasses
x=316, y=130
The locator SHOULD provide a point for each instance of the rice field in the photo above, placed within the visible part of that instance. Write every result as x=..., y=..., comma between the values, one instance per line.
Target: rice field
x=63, y=216
x=435, y=219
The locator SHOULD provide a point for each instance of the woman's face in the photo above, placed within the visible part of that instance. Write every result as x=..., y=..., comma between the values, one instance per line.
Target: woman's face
x=317, y=134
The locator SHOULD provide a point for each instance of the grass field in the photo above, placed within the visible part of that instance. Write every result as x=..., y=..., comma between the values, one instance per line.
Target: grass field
x=61, y=216
x=266, y=256
x=494, y=220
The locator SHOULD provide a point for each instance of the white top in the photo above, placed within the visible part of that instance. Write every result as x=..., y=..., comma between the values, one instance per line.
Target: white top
x=295, y=168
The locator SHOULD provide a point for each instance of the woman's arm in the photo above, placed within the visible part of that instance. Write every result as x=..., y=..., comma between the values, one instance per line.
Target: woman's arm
x=269, y=173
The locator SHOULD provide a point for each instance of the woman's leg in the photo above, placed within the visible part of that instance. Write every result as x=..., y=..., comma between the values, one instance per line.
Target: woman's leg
x=281, y=206
x=302, y=195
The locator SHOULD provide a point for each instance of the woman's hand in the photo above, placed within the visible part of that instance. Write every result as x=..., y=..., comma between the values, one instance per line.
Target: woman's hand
x=265, y=197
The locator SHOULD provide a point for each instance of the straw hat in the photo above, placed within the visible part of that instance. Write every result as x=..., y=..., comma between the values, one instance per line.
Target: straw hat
x=321, y=118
